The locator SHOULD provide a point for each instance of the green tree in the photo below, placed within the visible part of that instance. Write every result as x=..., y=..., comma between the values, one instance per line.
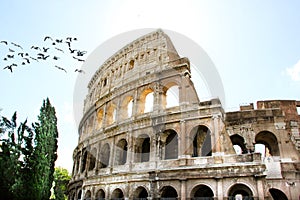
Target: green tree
x=45, y=152
x=61, y=181
x=15, y=155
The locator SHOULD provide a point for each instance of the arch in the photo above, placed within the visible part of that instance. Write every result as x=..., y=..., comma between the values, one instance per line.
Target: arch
x=79, y=195
x=88, y=195
x=240, y=191
x=90, y=124
x=117, y=194
x=277, y=194
x=170, y=144
x=92, y=159
x=270, y=142
x=127, y=107
x=168, y=193
x=142, y=149
x=72, y=196
x=99, y=118
x=149, y=99
x=131, y=64
x=100, y=195
x=201, y=141
x=238, y=143
x=140, y=193
x=111, y=114
x=145, y=103
x=202, y=192
x=104, y=156
x=77, y=168
x=121, y=152
x=83, y=161
x=172, y=96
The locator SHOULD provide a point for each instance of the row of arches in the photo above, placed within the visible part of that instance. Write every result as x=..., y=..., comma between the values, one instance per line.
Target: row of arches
x=166, y=144
x=265, y=142
x=107, y=115
x=199, y=192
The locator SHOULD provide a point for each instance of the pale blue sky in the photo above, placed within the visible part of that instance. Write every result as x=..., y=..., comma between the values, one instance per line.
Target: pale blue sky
x=252, y=44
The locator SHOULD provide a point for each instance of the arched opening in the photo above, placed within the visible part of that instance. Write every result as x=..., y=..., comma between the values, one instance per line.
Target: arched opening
x=168, y=193
x=145, y=150
x=92, y=159
x=111, y=114
x=240, y=191
x=79, y=195
x=172, y=97
x=72, y=196
x=130, y=108
x=104, y=156
x=127, y=107
x=238, y=144
x=117, y=194
x=171, y=144
x=277, y=194
x=121, y=152
x=87, y=195
x=142, y=148
x=202, y=192
x=140, y=194
x=149, y=102
x=90, y=124
x=99, y=118
x=100, y=195
x=131, y=64
x=269, y=143
x=77, y=169
x=201, y=141
x=83, y=162
x=145, y=101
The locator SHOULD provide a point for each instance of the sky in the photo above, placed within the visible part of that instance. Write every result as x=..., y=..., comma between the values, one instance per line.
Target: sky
x=254, y=45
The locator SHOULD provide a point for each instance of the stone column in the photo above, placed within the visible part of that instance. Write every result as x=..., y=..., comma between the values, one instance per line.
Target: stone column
x=183, y=194
x=260, y=189
x=183, y=142
x=219, y=190
x=215, y=135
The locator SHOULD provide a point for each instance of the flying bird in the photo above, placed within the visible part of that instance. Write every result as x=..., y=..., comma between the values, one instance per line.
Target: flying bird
x=60, y=68
x=72, y=50
x=27, y=60
x=79, y=71
x=68, y=43
x=42, y=56
x=81, y=60
x=48, y=37
x=17, y=45
x=81, y=53
x=10, y=67
x=58, y=49
x=10, y=56
x=34, y=59
x=11, y=50
x=45, y=49
x=35, y=48
x=58, y=41
x=4, y=42
x=55, y=58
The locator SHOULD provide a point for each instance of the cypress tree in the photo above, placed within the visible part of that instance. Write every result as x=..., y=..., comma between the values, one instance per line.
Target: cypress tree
x=45, y=152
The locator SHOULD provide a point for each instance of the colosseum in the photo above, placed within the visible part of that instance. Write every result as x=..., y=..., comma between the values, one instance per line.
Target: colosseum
x=145, y=134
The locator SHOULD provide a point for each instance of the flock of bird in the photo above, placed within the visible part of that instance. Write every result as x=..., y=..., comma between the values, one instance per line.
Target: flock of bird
x=53, y=50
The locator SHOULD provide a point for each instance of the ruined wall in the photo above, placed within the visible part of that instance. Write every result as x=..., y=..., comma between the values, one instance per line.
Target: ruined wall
x=136, y=142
